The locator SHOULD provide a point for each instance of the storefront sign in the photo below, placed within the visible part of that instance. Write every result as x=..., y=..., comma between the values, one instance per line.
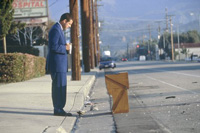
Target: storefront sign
x=30, y=8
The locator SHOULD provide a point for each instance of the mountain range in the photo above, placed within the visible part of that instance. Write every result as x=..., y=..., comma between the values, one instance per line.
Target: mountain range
x=126, y=21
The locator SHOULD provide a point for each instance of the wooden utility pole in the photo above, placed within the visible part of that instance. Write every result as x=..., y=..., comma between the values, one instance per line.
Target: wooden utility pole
x=172, y=43
x=149, y=41
x=127, y=51
x=97, y=31
x=85, y=21
x=166, y=20
x=91, y=44
x=94, y=35
x=76, y=73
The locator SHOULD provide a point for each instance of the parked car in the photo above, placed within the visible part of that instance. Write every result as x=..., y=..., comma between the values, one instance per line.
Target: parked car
x=195, y=57
x=107, y=62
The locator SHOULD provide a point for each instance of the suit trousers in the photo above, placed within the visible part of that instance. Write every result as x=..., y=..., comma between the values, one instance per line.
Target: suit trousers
x=59, y=83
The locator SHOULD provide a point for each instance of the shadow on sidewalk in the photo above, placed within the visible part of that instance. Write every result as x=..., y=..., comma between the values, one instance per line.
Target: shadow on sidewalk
x=98, y=114
x=24, y=111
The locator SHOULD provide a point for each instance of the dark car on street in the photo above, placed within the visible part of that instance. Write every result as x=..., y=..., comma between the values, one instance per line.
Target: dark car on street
x=107, y=62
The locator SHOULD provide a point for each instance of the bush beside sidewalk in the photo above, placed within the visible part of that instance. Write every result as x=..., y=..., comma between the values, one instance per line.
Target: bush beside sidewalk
x=16, y=67
x=27, y=106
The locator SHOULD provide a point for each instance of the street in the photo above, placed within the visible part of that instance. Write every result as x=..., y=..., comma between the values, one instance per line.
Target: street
x=163, y=97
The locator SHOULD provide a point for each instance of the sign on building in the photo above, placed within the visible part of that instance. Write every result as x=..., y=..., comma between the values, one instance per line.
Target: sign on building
x=31, y=11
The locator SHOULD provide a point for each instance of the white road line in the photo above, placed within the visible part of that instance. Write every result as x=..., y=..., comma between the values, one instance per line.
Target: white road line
x=179, y=73
x=187, y=74
x=171, y=84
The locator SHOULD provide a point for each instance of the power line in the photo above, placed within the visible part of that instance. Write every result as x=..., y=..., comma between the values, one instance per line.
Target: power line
x=53, y=3
x=134, y=19
x=146, y=29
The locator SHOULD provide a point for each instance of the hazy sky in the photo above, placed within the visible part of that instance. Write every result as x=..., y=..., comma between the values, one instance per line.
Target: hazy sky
x=133, y=9
x=147, y=9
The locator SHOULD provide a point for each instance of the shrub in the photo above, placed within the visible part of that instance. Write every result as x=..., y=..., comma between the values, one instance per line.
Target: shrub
x=15, y=67
x=21, y=49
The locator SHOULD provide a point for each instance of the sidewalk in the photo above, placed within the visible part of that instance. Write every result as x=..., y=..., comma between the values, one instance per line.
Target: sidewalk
x=26, y=107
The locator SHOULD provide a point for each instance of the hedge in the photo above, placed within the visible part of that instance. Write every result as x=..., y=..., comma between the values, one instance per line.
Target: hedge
x=16, y=67
x=21, y=49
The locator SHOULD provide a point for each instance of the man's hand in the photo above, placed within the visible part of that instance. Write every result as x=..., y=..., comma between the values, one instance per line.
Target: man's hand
x=68, y=46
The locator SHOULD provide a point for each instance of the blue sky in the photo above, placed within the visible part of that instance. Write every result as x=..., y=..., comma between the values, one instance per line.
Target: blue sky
x=57, y=8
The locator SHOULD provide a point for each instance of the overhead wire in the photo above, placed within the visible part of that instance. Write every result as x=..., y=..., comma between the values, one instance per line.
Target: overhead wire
x=53, y=3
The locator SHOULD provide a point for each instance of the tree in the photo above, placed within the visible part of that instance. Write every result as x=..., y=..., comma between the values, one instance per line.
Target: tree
x=193, y=36
x=29, y=34
x=185, y=51
x=188, y=37
x=50, y=24
x=15, y=31
x=16, y=37
x=6, y=17
x=15, y=26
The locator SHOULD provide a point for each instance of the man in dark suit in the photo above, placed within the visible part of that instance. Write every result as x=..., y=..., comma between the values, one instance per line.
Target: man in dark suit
x=57, y=63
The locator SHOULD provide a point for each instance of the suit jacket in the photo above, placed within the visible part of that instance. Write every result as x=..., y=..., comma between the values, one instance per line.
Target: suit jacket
x=57, y=56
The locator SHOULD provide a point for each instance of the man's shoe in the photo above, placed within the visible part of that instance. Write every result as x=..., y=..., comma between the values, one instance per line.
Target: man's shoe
x=61, y=112
x=68, y=114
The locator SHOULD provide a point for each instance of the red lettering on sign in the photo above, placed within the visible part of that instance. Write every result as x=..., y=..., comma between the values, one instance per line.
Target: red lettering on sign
x=37, y=4
x=26, y=4
x=32, y=4
x=20, y=5
x=14, y=5
x=41, y=4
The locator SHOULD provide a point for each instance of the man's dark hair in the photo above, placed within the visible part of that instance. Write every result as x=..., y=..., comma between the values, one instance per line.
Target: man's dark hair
x=66, y=16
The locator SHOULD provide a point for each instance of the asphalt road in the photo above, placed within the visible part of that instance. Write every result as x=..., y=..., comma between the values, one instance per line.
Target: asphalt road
x=163, y=97
x=97, y=117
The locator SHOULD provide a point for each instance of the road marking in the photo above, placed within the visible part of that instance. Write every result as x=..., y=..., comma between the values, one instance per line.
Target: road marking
x=179, y=73
x=171, y=84
x=187, y=74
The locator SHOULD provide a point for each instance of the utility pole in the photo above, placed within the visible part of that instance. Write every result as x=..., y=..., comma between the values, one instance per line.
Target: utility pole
x=97, y=31
x=158, y=29
x=149, y=40
x=94, y=35
x=143, y=38
x=127, y=50
x=178, y=42
x=91, y=44
x=85, y=34
x=164, y=42
x=172, y=43
x=166, y=20
x=76, y=73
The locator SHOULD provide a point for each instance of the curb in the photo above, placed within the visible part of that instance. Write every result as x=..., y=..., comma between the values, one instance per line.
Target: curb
x=78, y=102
